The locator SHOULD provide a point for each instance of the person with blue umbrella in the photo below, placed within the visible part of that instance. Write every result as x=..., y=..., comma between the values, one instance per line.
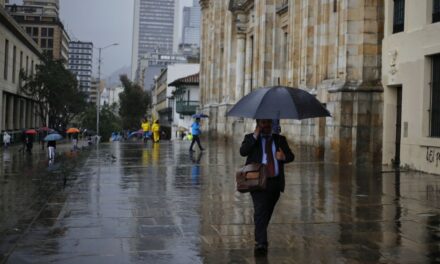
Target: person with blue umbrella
x=196, y=131
x=51, y=140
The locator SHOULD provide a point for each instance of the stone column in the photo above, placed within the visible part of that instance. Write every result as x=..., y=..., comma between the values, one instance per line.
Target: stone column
x=249, y=67
x=24, y=113
x=11, y=112
x=3, y=115
x=240, y=68
x=241, y=56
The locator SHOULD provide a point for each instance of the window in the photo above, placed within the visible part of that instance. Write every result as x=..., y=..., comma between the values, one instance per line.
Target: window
x=35, y=32
x=27, y=64
x=50, y=32
x=44, y=32
x=32, y=67
x=399, y=16
x=435, y=11
x=435, y=97
x=5, y=69
x=43, y=43
x=14, y=63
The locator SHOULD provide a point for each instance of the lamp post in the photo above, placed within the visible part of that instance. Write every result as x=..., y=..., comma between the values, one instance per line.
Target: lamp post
x=98, y=92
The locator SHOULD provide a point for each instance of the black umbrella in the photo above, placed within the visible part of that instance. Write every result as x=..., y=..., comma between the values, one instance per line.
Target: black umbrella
x=279, y=102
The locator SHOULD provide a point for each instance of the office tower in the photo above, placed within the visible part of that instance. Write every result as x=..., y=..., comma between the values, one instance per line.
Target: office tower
x=81, y=63
x=152, y=30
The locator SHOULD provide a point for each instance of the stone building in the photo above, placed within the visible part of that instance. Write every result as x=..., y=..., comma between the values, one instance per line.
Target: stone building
x=18, y=52
x=331, y=48
x=411, y=80
x=41, y=21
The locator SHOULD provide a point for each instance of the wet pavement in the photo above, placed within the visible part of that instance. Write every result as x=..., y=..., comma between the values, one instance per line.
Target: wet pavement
x=131, y=203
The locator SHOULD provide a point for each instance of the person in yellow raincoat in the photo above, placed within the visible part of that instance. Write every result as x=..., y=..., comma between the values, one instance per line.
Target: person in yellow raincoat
x=156, y=131
x=146, y=129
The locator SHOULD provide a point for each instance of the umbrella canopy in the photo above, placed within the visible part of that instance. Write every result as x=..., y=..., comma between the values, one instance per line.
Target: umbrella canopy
x=53, y=137
x=182, y=129
x=72, y=130
x=31, y=132
x=200, y=116
x=139, y=132
x=279, y=102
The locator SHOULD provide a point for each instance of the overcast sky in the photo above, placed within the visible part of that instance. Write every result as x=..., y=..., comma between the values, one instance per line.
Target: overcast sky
x=103, y=22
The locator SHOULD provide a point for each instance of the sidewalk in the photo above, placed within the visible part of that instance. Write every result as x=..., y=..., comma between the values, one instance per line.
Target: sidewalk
x=132, y=203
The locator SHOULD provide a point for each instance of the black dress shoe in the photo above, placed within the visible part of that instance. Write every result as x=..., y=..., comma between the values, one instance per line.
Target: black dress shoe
x=260, y=250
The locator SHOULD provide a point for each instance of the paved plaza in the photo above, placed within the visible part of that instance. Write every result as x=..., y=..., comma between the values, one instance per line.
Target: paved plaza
x=135, y=203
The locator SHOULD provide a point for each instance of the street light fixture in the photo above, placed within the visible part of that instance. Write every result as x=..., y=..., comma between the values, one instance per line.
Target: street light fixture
x=98, y=92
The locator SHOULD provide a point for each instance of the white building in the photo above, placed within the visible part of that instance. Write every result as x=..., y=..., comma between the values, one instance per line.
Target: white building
x=186, y=101
x=164, y=102
x=110, y=95
x=411, y=79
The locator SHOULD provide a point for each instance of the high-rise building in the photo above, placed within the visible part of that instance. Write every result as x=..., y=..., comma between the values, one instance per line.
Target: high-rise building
x=152, y=30
x=81, y=63
x=191, y=24
x=41, y=22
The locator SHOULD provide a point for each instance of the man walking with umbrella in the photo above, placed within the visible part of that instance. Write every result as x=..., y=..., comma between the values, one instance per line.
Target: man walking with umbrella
x=269, y=148
x=264, y=147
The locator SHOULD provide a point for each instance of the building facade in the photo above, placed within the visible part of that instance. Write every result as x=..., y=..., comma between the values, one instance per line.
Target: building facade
x=186, y=101
x=411, y=80
x=51, y=7
x=153, y=28
x=164, y=101
x=151, y=65
x=81, y=64
x=42, y=23
x=18, y=52
x=329, y=48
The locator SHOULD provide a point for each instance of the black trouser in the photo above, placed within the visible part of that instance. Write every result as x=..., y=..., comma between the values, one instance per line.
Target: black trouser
x=264, y=204
x=195, y=139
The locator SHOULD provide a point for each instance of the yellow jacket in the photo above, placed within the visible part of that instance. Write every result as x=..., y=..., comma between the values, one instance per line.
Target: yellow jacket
x=146, y=126
x=156, y=127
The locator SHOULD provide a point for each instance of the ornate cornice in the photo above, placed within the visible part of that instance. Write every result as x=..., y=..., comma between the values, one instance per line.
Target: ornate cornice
x=239, y=5
x=204, y=4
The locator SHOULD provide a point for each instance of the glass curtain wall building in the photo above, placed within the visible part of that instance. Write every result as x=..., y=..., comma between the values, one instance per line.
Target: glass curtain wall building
x=152, y=30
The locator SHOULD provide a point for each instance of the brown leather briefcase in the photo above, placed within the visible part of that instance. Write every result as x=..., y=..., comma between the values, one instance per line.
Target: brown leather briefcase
x=252, y=177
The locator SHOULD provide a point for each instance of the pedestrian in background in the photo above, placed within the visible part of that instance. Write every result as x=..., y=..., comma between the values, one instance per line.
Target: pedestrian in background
x=156, y=131
x=264, y=147
x=29, y=142
x=146, y=129
x=51, y=147
x=195, y=131
x=75, y=141
x=6, y=139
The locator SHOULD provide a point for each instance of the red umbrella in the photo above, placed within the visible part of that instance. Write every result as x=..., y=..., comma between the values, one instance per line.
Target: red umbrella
x=31, y=132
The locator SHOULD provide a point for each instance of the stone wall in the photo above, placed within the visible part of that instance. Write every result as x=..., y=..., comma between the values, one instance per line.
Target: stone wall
x=331, y=48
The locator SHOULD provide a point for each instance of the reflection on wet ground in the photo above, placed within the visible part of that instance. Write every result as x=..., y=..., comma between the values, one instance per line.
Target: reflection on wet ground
x=132, y=203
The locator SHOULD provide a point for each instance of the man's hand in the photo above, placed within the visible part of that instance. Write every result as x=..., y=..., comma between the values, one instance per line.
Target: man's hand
x=280, y=155
x=257, y=132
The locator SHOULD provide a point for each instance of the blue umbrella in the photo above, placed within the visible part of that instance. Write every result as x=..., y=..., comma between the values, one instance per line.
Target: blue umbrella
x=135, y=133
x=53, y=137
x=200, y=116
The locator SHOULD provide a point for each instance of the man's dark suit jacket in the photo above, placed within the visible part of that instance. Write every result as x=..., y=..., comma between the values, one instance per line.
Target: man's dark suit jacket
x=253, y=150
